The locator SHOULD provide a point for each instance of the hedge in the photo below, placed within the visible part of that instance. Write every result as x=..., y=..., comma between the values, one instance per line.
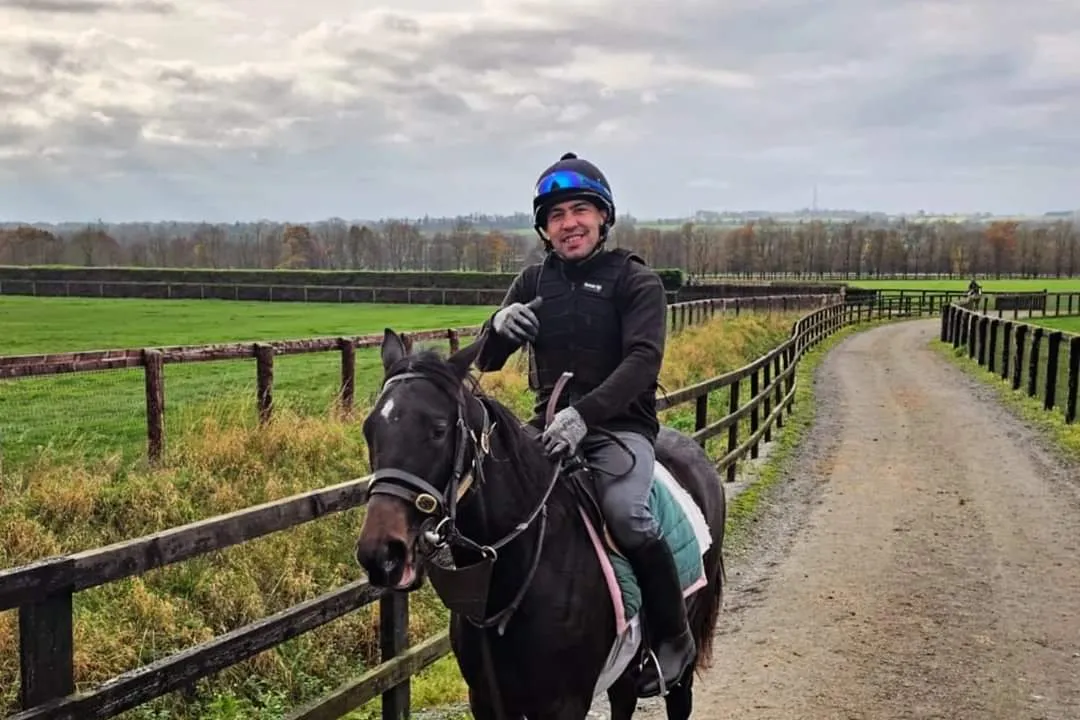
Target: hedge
x=673, y=279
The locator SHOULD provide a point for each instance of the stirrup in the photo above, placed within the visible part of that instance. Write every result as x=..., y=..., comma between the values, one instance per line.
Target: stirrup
x=664, y=690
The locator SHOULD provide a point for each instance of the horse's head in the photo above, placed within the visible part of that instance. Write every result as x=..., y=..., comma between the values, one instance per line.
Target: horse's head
x=422, y=454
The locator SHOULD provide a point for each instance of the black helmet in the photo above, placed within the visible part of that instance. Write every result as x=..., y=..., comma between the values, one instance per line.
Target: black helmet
x=570, y=178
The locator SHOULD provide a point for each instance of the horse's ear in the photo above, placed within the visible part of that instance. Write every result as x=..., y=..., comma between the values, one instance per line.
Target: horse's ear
x=463, y=359
x=393, y=348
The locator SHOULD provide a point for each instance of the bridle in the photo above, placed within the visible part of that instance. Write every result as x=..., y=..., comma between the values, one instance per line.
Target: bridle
x=462, y=589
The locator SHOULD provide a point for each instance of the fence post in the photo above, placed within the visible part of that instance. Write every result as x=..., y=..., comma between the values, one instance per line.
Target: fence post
x=1053, y=348
x=972, y=330
x=394, y=640
x=945, y=317
x=1021, y=334
x=455, y=341
x=755, y=412
x=1033, y=362
x=1006, y=349
x=701, y=414
x=264, y=380
x=766, y=379
x=733, y=429
x=154, y=381
x=983, y=326
x=348, y=375
x=1074, y=379
x=992, y=350
x=46, y=650
x=777, y=370
x=792, y=361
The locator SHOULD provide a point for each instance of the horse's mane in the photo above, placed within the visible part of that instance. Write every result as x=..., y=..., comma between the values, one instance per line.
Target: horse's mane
x=517, y=448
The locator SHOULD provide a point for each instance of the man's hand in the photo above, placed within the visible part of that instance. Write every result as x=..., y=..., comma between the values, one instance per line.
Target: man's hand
x=517, y=322
x=565, y=432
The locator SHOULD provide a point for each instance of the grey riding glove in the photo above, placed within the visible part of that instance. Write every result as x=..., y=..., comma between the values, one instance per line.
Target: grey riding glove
x=517, y=322
x=565, y=432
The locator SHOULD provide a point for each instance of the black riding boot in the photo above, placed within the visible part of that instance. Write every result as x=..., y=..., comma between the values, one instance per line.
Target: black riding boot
x=665, y=614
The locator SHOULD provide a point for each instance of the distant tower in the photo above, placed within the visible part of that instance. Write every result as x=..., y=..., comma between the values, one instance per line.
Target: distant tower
x=813, y=207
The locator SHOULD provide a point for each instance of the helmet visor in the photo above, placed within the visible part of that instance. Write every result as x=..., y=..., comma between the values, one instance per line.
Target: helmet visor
x=568, y=180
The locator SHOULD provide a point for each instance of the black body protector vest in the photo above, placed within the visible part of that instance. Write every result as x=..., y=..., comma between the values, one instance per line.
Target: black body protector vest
x=581, y=332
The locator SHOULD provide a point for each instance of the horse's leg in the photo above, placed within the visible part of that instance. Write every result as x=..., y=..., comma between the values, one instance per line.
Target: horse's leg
x=568, y=708
x=680, y=701
x=622, y=696
x=481, y=707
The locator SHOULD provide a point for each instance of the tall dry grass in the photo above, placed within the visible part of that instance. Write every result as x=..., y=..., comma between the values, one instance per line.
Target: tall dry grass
x=223, y=462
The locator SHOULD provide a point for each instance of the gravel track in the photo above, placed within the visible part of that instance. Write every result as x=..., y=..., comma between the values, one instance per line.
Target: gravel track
x=919, y=559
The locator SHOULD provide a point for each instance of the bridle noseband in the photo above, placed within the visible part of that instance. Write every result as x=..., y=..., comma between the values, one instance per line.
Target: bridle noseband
x=462, y=589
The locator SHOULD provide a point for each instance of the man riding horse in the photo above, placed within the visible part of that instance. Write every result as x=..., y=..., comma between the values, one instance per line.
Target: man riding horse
x=602, y=317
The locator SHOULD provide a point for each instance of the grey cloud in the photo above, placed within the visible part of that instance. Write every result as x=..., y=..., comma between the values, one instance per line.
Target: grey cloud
x=936, y=87
x=91, y=7
x=402, y=24
x=110, y=128
x=867, y=98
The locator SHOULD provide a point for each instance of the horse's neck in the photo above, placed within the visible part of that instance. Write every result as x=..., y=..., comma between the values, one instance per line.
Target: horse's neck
x=503, y=495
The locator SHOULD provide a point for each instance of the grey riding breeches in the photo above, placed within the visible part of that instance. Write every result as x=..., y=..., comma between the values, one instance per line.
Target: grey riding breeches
x=623, y=492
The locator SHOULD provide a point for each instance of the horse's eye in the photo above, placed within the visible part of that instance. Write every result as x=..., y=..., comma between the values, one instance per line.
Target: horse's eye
x=438, y=430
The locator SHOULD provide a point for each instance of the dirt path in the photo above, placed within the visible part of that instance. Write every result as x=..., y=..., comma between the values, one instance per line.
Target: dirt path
x=922, y=562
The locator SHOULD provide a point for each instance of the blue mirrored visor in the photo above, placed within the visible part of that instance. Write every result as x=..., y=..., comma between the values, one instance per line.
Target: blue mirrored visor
x=568, y=180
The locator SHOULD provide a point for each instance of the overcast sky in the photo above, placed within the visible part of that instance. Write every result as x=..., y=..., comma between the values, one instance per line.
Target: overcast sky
x=301, y=110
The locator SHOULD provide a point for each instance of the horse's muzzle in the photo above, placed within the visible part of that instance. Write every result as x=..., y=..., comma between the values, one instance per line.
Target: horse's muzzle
x=388, y=564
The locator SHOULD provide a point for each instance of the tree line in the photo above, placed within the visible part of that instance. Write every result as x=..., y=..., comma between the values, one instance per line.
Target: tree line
x=762, y=247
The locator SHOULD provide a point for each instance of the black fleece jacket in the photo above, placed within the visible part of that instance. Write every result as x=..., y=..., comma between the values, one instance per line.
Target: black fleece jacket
x=626, y=399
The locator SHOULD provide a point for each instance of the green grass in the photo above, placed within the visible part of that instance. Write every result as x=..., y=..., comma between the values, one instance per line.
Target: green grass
x=223, y=462
x=103, y=412
x=1065, y=324
x=45, y=325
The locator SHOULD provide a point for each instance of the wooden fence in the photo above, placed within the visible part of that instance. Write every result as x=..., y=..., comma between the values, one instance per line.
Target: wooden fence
x=153, y=360
x=1041, y=302
x=1015, y=349
x=42, y=591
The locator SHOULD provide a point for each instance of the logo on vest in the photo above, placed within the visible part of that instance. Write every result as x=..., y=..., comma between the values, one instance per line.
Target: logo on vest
x=595, y=287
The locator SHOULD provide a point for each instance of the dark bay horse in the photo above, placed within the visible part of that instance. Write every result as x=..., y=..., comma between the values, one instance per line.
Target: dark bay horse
x=457, y=473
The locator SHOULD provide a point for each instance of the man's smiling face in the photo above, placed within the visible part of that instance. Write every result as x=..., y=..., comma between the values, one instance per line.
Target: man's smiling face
x=573, y=227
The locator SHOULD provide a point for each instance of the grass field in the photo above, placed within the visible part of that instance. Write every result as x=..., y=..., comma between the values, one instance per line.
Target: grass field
x=1066, y=324
x=216, y=465
x=35, y=325
x=1054, y=285
x=104, y=412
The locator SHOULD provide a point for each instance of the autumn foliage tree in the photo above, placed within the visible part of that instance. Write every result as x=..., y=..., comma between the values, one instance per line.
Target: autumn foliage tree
x=762, y=248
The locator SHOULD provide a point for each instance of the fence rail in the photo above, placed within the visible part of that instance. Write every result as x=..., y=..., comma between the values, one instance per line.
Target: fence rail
x=1014, y=349
x=42, y=592
x=154, y=359
x=1043, y=302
